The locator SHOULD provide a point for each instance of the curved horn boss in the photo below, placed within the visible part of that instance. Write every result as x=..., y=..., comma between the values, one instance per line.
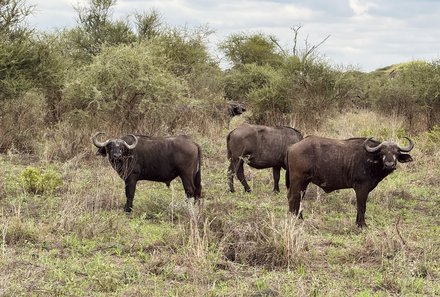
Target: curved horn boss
x=371, y=149
x=97, y=143
x=408, y=148
x=133, y=145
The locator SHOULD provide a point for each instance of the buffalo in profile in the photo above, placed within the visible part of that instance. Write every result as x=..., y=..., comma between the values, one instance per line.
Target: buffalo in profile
x=357, y=163
x=161, y=159
x=261, y=147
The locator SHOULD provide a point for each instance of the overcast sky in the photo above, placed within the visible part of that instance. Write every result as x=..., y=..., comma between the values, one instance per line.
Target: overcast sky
x=367, y=34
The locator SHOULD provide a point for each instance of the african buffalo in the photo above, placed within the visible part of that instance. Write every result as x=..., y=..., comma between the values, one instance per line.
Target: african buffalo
x=261, y=147
x=162, y=159
x=235, y=109
x=357, y=163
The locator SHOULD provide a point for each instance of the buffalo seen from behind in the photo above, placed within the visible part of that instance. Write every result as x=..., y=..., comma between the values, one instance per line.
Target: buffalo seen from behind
x=161, y=159
x=260, y=147
x=357, y=163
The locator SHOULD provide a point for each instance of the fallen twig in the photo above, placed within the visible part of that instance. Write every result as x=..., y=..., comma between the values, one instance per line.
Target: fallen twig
x=398, y=232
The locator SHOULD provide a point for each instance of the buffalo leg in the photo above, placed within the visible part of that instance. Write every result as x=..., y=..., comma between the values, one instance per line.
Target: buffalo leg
x=231, y=173
x=188, y=186
x=236, y=168
x=130, y=188
x=198, y=185
x=294, y=196
x=276, y=178
x=361, y=201
x=240, y=176
x=287, y=179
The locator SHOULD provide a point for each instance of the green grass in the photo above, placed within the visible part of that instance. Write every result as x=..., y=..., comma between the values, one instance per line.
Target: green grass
x=77, y=241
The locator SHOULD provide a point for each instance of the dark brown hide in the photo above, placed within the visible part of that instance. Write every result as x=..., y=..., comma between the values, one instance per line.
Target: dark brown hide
x=235, y=109
x=160, y=159
x=260, y=147
x=357, y=163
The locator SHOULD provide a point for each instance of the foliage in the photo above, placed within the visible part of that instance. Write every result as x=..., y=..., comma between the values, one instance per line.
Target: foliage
x=12, y=16
x=35, y=181
x=424, y=79
x=256, y=48
x=280, y=86
x=148, y=24
x=185, y=49
x=96, y=28
x=20, y=54
x=239, y=82
x=409, y=90
x=125, y=83
x=22, y=122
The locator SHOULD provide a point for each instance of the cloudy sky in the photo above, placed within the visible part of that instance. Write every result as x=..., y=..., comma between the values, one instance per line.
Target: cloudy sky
x=367, y=34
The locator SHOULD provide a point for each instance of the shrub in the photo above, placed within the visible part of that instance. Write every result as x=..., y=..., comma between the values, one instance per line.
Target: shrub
x=34, y=181
x=251, y=49
x=21, y=122
x=126, y=85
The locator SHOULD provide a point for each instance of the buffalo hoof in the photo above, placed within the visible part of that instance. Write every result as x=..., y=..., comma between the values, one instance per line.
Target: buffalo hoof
x=248, y=190
x=298, y=216
x=128, y=209
x=361, y=225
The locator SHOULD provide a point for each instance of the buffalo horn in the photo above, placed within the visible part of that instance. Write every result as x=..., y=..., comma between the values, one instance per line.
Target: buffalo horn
x=97, y=143
x=407, y=148
x=371, y=149
x=132, y=146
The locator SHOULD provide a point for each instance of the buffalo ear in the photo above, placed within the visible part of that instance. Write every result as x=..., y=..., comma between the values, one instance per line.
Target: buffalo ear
x=102, y=151
x=404, y=158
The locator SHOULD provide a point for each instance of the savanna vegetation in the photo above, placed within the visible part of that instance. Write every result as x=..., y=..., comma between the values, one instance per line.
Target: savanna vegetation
x=63, y=231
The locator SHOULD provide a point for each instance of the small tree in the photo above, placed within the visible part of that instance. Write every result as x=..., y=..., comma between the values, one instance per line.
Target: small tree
x=96, y=27
x=424, y=78
x=126, y=85
x=148, y=25
x=185, y=49
x=19, y=55
x=256, y=49
x=12, y=16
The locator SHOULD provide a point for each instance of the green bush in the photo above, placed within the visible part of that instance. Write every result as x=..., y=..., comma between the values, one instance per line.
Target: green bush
x=240, y=81
x=258, y=48
x=34, y=181
x=127, y=85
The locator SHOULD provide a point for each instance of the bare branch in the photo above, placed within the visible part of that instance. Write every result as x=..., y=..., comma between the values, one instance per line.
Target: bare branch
x=295, y=30
x=314, y=47
x=275, y=41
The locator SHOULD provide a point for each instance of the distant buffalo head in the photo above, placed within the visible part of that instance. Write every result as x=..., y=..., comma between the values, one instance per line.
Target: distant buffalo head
x=389, y=153
x=115, y=148
x=235, y=109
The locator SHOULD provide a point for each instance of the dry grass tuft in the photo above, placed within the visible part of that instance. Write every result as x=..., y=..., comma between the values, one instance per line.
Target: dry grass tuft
x=270, y=242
